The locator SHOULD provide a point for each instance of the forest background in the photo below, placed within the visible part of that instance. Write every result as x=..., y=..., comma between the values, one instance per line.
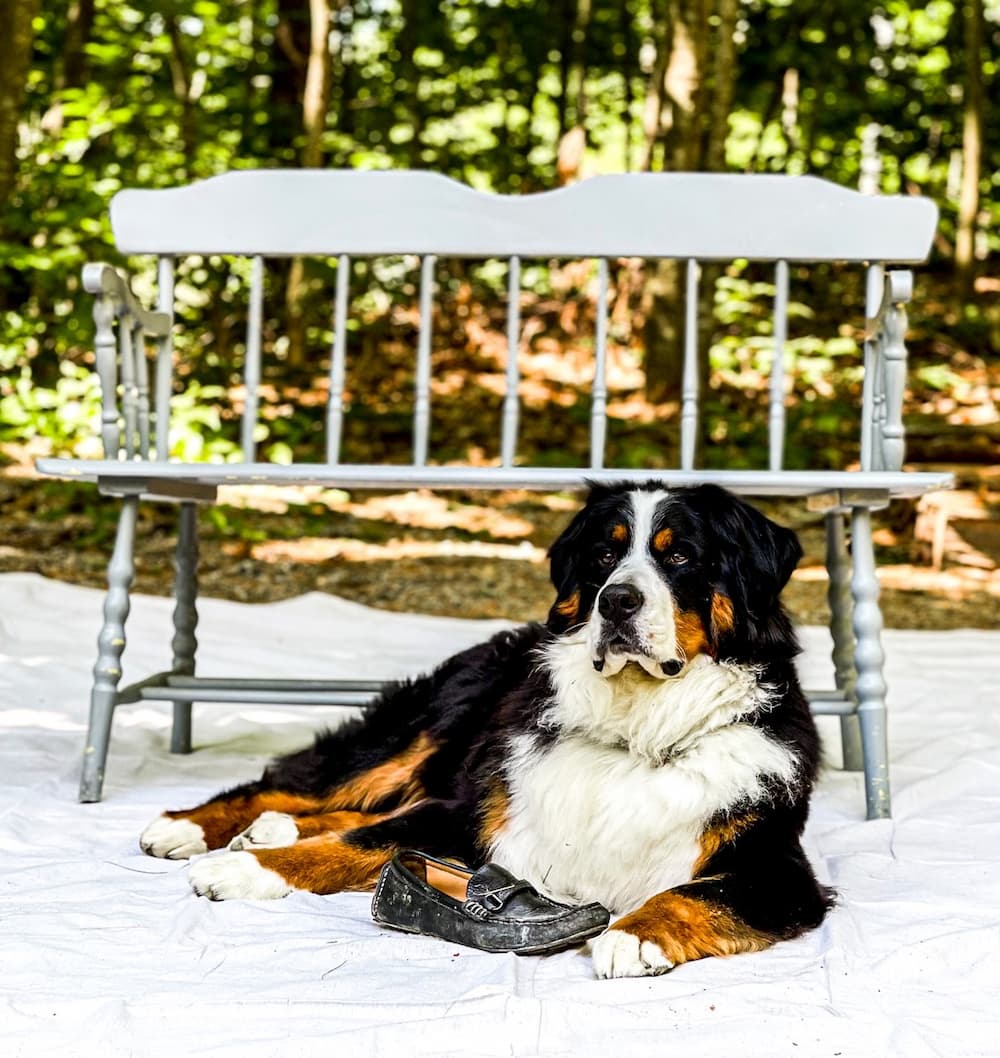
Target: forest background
x=512, y=97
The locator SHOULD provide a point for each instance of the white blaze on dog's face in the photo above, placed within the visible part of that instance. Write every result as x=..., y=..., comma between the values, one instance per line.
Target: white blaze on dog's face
x=634, y=618
x=656, y=577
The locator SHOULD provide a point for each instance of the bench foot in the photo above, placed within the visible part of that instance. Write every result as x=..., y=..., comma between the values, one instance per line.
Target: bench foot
x=869, y=661
x=110, y=645
x=185, y=643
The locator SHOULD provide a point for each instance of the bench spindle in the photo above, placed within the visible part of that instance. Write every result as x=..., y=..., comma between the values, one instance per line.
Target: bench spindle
x=893, y=443
x=141, y=385
x=251, y=370
x=599, y=399
x=129, y=392
x=422, y=404
x=338, y=358
x=873, y=297
x=511, y=403
x=689, y=384
x=164, y=357
x=776, y=416
x=107, y=371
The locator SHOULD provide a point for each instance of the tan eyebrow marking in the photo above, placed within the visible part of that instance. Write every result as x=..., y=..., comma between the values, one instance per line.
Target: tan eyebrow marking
x=570, y=605
x=619, y=532
x=663, y=539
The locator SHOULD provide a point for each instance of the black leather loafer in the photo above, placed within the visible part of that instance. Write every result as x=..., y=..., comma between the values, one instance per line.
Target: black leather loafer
x=496, y=912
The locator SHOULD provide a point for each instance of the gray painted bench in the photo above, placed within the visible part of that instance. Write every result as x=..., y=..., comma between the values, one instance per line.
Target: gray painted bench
x=692, y=217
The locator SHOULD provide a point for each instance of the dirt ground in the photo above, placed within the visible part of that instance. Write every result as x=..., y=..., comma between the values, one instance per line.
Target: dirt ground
x=464, y=555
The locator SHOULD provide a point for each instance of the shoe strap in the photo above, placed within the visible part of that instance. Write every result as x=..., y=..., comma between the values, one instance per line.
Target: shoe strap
x=494, y=900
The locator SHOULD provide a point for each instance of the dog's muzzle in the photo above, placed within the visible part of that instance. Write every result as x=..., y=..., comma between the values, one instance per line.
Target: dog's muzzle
x=619, y=605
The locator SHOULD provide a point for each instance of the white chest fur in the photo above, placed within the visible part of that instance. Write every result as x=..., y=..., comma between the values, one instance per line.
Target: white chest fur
x=592, y=821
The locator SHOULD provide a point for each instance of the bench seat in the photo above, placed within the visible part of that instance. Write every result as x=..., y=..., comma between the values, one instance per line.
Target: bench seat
x=149, y=478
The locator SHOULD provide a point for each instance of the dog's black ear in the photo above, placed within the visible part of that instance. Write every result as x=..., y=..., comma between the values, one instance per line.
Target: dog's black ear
x=565, y=559
x=564, y=563
x=755, y=559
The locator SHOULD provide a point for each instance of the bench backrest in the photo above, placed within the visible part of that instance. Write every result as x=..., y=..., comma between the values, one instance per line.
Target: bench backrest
x=692, y=217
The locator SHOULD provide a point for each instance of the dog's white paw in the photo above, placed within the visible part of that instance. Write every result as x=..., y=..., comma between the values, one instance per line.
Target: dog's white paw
x=173, y=839
x=620, y=954
x=236, y=876
x=270, y=830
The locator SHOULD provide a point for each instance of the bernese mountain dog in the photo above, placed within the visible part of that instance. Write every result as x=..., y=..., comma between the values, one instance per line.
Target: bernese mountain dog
x=648, y=747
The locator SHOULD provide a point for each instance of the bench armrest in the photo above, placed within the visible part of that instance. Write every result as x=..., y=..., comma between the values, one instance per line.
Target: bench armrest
x=125, y=429
x=882, y=431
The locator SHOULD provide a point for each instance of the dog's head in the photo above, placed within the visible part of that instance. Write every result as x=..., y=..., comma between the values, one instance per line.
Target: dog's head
x=657, y=577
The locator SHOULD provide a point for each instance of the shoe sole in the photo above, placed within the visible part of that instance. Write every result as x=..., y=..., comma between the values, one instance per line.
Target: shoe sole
x=539, y=949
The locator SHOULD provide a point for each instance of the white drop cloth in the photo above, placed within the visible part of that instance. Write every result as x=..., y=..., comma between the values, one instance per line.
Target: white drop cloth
x=104, y=951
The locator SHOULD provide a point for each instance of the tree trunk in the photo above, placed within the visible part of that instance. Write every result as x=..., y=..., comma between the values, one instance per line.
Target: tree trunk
x=679, y=122
x=574, y=141
x=315, y=104
x=71, y=68
x=186, y=92
x=15, y=58
x=80, y=22
x=723, y=85
x=289, y=58
x=972, y=149
x=653, y=118
x=316, y=96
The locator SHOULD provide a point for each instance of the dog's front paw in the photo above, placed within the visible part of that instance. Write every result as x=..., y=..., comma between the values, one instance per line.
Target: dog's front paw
x=236, y=876
x=620, y=954
x=173, y=839
x=270, y=830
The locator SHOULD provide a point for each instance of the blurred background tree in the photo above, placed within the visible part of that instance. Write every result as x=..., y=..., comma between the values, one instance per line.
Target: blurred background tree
x=514, y=97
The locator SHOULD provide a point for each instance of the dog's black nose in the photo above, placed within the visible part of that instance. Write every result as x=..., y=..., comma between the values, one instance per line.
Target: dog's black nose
x=619, y=601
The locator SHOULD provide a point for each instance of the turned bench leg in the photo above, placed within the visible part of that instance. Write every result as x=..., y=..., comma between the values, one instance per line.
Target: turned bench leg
x=869, y=660
x=110, y=645
x=839, y=598
x=184, y=643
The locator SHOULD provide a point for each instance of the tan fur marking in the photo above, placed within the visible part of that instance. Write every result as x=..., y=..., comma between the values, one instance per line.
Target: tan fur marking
x=570, y=606
x=722, y=614
x=687, y=928
x=326, y=864
x=495, y=807
x=619, y=532
x=715, y=837
x=395, y=777
x=691, y=636
x=223, y=819
x=663, y=539
x=336, y=823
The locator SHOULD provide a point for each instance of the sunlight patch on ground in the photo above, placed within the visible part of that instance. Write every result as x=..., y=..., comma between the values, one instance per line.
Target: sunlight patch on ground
x=322, y=549
x=955, y=583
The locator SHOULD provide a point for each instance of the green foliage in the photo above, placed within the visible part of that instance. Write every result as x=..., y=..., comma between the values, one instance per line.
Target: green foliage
x=159, y=95
x=67, y=416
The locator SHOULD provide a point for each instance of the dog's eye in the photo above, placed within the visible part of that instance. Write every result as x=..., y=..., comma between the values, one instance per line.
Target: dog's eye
x=604, y=557
x=677, y=558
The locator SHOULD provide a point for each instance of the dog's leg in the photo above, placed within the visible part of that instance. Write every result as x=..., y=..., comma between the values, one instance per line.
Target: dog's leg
x=274, y=830
x=334, y=862
x=338, y=773
x=188, y=832
x=723, y=914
